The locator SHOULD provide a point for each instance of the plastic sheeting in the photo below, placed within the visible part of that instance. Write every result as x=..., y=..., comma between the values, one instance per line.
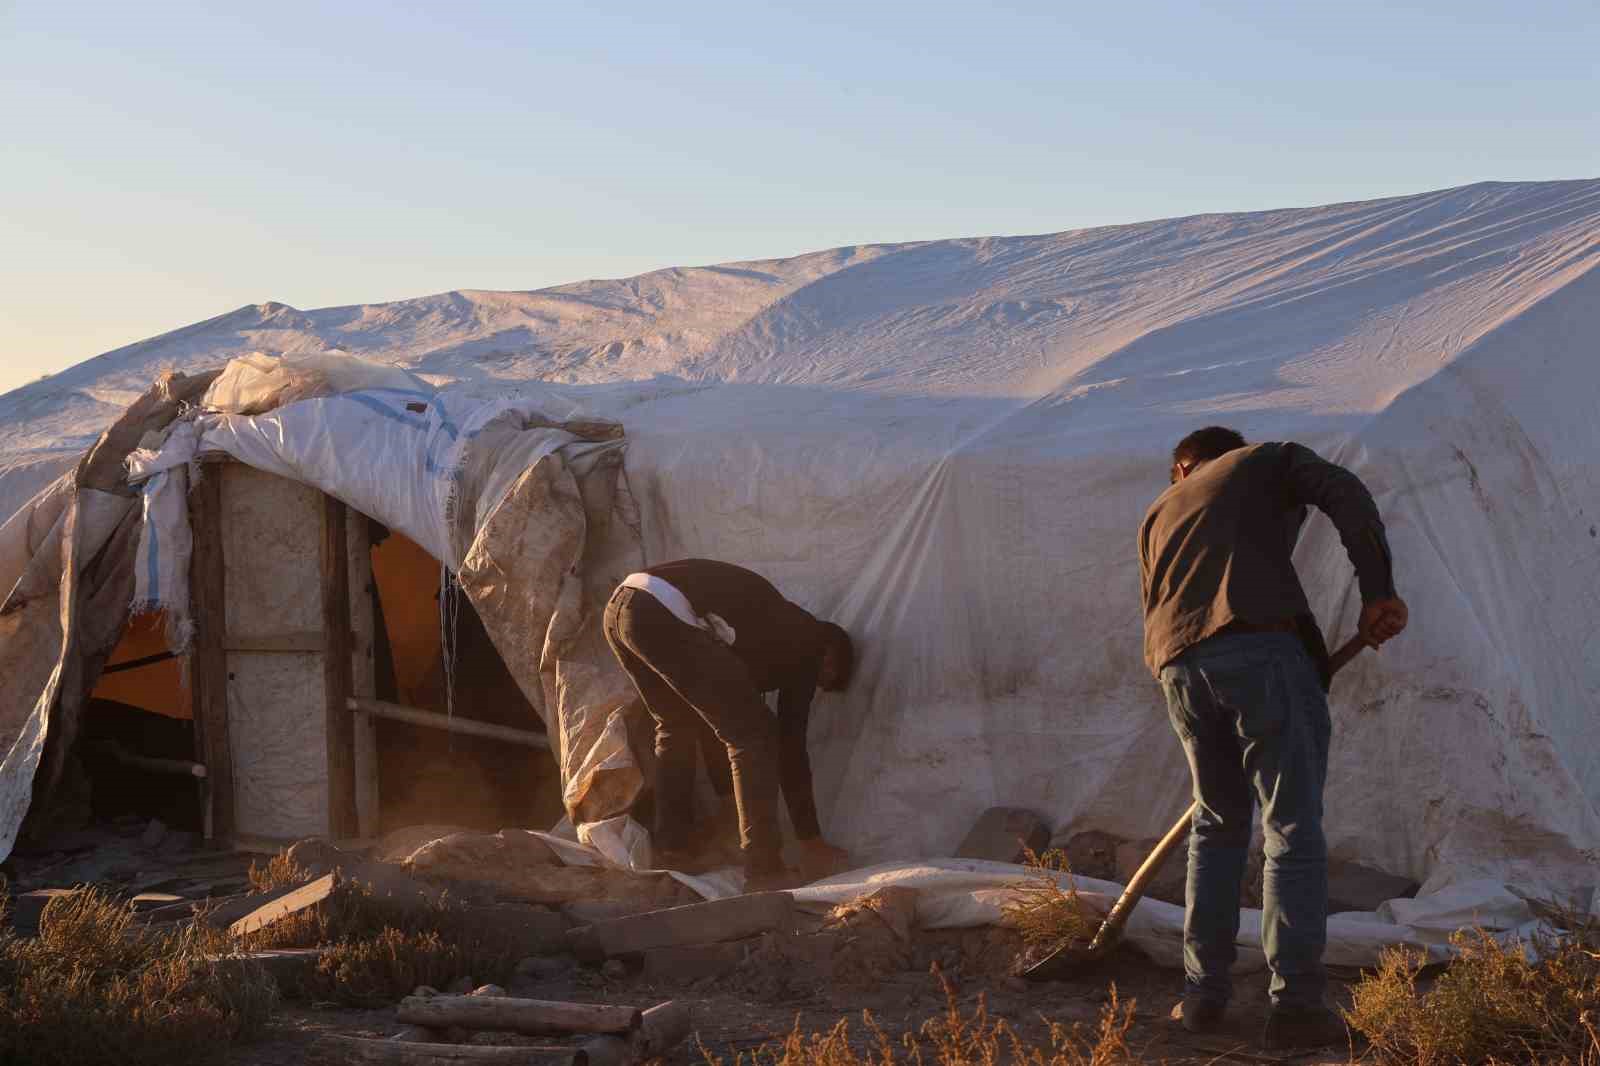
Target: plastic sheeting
x=962, y=893
x=519, y=508
x=947, y=447
x=257, y=383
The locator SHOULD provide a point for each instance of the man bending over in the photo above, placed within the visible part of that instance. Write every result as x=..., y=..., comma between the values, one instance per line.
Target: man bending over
x=704, y=640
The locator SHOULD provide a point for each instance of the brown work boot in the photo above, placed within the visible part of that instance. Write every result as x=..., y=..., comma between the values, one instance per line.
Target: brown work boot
x=1302, y=1027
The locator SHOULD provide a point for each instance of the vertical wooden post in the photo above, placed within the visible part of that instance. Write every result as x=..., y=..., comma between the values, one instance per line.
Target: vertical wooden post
x=208, y=670
x=342, y=819
x=363, y=679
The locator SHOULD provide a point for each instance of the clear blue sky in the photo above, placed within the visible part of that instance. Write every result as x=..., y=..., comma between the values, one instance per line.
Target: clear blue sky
x=162, y=163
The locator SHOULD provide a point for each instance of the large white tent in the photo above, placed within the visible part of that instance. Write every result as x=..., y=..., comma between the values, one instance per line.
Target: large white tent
x=947, y=446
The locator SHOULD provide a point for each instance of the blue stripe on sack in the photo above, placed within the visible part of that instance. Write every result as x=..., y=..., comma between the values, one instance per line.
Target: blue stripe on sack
x=403, y=418
x=153, y=563
x=386, y=411
x=429, y=398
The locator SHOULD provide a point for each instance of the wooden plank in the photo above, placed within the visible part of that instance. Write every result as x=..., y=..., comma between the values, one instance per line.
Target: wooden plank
x=531, y=1017
x=715, y=920
x=285, y=965
x=450, y=723
x=308, y=642
x=209, y=667
x=333, y=1047
x=341, y=727
x=301, y=898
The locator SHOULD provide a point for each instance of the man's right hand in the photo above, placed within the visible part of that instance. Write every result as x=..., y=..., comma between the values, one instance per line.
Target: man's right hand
x=1382, y=620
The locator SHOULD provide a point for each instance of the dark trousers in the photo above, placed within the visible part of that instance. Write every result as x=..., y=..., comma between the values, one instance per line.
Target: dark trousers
x=690, y=682
x=1253, y=719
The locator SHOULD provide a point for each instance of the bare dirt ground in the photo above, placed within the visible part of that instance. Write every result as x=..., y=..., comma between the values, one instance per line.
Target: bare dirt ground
x=738, y=1014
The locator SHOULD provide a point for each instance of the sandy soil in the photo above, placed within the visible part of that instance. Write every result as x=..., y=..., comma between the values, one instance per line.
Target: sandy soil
x=737, y=1014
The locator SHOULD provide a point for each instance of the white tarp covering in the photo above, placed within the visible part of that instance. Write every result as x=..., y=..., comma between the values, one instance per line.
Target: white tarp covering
x=960, y=894
x=946, y=447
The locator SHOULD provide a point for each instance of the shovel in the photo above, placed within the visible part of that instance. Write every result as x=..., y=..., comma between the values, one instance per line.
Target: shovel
x=1074, y=955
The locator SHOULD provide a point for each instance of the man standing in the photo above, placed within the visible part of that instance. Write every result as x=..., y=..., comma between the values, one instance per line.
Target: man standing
x=704, y=640
x=1230, y=634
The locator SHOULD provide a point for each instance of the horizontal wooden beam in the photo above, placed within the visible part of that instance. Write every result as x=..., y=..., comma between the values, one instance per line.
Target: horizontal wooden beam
x=449, y=723
x=148, y=762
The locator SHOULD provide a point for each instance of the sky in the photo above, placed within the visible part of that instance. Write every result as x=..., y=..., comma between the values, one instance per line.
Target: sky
x=164, y=163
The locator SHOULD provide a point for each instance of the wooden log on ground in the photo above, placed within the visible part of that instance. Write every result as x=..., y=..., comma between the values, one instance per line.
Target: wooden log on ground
x=531, y=1017
x=698, y=923
x=286, y=966
x=300, y=899
x=333, y=1048
x=662, y=1028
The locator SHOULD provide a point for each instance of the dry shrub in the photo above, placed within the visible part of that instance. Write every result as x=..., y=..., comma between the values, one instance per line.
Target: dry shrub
x=951, y=1039
x=1492, y=1004
x=1041, y=911
x=377, y=970
x=94, y=986
x=379, y=948
x=280, y=871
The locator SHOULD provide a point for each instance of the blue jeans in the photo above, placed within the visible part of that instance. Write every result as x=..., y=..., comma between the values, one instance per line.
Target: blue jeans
x=1254, y=722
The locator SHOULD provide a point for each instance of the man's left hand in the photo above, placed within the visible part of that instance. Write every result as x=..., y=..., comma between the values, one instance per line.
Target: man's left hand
x=819, y=859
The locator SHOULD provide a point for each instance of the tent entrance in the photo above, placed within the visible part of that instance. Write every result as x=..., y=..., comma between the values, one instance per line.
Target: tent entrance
x=458, y=742
x=135, y=752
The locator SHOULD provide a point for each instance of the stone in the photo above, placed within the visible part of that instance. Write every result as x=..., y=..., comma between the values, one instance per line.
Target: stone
x=895, y=907
x=1091, y=853
x=153, y=834
x=320, y=858
x=876, y=933
x=480, y=856
x=1354, y=887
x=544, y=967
x=1004, y=834
x=690, y=963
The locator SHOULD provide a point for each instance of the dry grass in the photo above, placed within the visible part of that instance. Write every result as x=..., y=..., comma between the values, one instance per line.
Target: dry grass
x=95, y=986
x=951, y=1039
x=1493, y=1004
x=279, y=872
x=1041, y=911
x=379, y=949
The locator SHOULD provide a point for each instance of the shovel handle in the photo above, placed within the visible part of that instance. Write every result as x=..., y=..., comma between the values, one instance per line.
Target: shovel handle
x=1117, y=917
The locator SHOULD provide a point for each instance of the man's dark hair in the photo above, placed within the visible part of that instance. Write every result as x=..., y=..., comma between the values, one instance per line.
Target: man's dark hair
x=1205, y=444
x=836, y=638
